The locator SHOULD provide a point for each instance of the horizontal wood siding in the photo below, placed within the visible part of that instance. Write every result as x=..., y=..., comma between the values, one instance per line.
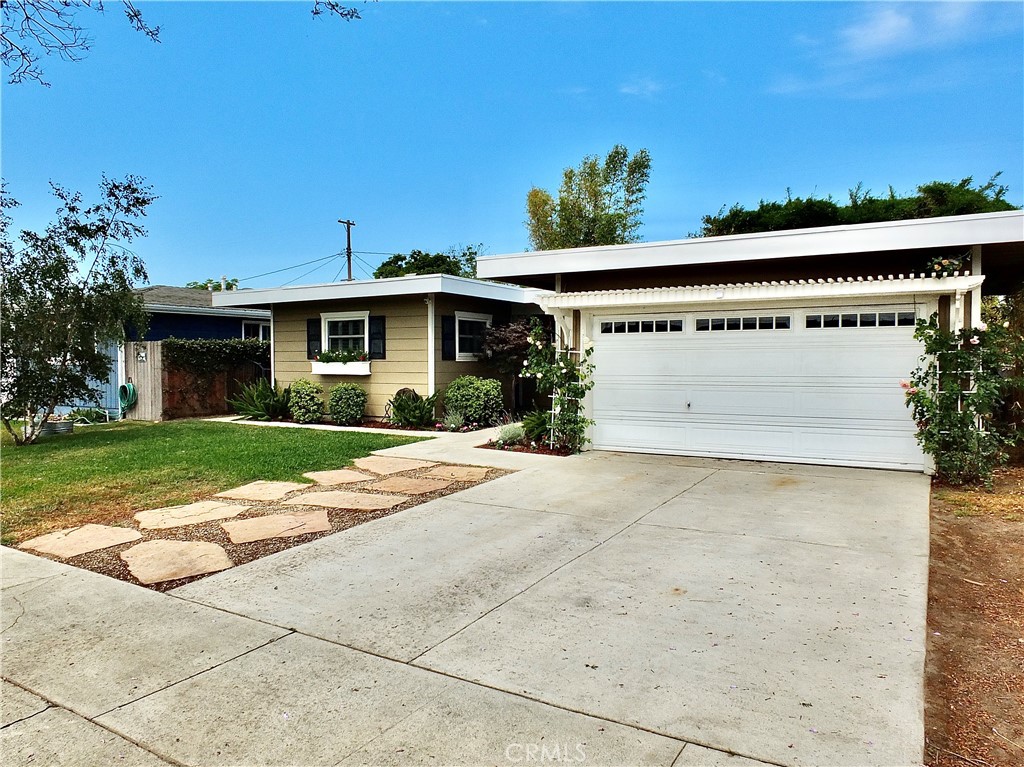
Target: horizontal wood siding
x=406, y=343
x=448, y=370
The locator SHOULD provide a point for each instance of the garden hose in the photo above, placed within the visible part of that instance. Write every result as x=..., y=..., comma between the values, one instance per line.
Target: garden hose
x=127, y=396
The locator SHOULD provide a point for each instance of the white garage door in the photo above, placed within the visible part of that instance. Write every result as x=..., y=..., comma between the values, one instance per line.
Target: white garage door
x=814, y=385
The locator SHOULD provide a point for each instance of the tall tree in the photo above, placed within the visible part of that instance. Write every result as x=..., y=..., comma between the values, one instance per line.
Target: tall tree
x=460, y=262
x=215, y=285
x=598, y=203
x=51, y=27
x=937, y=198
x=66, y=294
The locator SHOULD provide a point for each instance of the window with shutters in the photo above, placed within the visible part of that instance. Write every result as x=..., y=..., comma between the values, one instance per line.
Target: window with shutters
x=469, y=335
x=345, y=332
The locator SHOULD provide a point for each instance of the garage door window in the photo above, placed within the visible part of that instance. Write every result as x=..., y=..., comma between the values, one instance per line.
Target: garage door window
x=773, y=322
x=668, y=325
x=852, y=319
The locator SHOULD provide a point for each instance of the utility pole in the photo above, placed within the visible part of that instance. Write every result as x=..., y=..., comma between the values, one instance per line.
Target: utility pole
x=348, y=244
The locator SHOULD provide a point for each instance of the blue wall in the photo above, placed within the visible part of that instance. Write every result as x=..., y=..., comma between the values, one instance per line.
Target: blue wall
x=163, y=326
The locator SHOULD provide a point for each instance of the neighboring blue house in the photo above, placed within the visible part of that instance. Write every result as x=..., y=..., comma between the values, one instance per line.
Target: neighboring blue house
x=181, y=313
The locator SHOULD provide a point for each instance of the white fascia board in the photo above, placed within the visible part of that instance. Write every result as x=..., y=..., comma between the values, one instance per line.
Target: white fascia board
x=793, y=290
x=394, y=286
x=255, y=314
x=948, y=231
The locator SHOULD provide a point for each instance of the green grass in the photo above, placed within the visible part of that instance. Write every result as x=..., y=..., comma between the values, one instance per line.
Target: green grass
x=107, y=472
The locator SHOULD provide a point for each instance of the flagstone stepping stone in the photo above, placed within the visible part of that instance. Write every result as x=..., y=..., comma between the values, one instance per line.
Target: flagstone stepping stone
x=410, y=485
x=380, y=464
x=158, y=561
x=459, y=473
x=337, y=476
x=189, y=514
x=344, y=499
x=261, y=490
x=292, y=523
x=81, y=540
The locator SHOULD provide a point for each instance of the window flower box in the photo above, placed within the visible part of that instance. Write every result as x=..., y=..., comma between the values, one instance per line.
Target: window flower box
x=340, y=368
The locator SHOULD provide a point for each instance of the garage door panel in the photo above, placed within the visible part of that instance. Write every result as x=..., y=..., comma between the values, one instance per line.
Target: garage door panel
x=815, y=395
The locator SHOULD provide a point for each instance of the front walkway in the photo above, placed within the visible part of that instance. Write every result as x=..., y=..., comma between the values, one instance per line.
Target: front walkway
x=620, y=609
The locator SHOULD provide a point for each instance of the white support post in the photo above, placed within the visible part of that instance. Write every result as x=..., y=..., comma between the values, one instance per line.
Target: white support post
x=976, y=293
x=431, y=351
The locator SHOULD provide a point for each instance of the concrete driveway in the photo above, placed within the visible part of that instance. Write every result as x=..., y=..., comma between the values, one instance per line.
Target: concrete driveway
x=602, y=609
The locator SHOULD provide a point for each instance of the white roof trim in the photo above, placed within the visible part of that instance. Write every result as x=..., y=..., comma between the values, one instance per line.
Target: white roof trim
x=392, y=286
x=765, y=291
x=944, y=232
x=256, y=314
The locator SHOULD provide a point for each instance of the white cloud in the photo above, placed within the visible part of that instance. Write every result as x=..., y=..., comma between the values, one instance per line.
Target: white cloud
x=891, y=30
x=644, y=87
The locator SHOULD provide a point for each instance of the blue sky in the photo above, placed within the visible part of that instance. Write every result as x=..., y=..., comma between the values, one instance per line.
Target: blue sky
x=427, y=123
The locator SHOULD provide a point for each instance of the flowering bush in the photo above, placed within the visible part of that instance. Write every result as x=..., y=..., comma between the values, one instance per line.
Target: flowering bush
x=954, y=395
x=346, y=355
x=946, y=266
x=567, y=380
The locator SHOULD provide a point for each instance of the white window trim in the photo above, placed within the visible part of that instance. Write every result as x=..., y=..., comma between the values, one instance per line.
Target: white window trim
x=473, y=317
x=264, y=329
x=326, y=317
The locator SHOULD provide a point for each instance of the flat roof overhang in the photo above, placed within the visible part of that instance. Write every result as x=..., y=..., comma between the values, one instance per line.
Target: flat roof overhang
x=1001, y=234
x=393, y=286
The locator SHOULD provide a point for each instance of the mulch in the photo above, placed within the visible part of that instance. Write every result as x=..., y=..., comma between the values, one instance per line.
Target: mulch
x=108, y=561
x=536, y=450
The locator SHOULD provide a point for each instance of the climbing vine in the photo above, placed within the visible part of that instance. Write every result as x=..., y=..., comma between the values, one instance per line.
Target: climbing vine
x=567, y=377
x=955, y=395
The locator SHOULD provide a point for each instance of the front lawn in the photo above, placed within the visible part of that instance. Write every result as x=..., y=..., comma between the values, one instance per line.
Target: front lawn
x=106, y=472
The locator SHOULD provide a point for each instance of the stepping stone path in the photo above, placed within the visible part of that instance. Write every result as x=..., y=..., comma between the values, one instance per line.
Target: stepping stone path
x=459, y=473
x=337, y=476
x=81, y=540
x=343, y=499
x=190, y=514
x=380, y=464
x=261, y=490
x=158, y=561
x=409, y=485
x=284, y=525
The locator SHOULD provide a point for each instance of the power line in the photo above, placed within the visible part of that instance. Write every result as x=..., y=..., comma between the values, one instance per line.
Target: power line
x=289, y=268
x=315, y=268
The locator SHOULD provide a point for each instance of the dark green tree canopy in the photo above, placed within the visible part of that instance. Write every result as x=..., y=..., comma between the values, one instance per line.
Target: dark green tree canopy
x=937, y=198
x=599, y=203
x=460, y=262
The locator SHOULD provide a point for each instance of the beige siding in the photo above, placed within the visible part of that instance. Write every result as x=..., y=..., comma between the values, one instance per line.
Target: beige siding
x=406, y=363
x=448, y=370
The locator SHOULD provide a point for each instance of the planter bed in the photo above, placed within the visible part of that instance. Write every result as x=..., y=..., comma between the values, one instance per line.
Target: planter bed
x=539, y=450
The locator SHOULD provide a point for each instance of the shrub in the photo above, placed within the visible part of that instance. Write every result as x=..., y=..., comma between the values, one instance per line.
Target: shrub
x=453, y=420
x=955, y=394
x=408, y=408
x=307, y=401
x=261, y=402
x=478, y=399
x=511, y=434
x=346, y=403
x=537, y=425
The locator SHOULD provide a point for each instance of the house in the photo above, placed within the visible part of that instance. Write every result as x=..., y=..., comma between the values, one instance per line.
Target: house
x=179, y=313
x=782, y=346
x=418, y=332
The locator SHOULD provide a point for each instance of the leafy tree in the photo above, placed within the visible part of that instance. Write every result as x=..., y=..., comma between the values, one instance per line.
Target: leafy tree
x=51, y=27
x=937, y=198
x=214, y=285
x=461, y=263
x=68, y=292
x=506, y=348
x=599, y=203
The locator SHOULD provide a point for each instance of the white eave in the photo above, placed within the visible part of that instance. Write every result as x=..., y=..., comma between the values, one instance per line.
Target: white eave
x=774, y=292
x=390, y=287
x=211, y=311
x=944, y=232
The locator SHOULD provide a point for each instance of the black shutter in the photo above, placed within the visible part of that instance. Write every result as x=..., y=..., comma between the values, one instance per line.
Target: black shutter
x=378, y=341
x=313, y=341
x=448, y=337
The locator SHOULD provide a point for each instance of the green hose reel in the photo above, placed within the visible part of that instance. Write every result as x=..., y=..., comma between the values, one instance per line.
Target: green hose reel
x=127, y=396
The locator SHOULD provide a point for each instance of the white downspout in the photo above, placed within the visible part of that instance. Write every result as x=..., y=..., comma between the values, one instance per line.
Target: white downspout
x=273, y=349
x=431, y=351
